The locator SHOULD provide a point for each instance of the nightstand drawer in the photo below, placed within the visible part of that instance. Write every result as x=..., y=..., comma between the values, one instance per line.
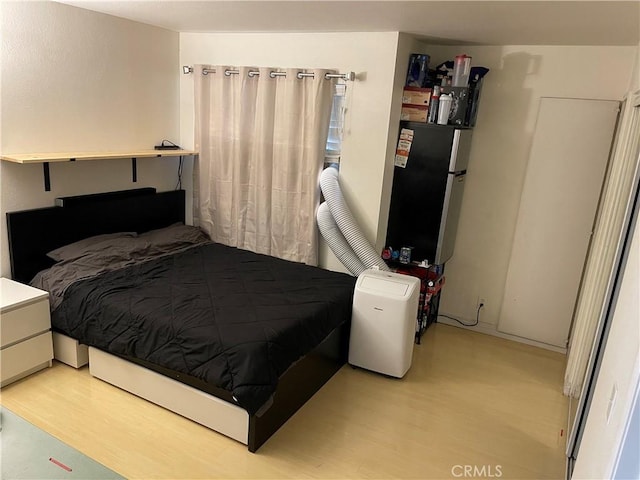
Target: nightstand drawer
x=24, y=356
x=25, y=321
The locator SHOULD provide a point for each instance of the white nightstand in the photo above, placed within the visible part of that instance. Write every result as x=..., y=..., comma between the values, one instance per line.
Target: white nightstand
x=25, y=331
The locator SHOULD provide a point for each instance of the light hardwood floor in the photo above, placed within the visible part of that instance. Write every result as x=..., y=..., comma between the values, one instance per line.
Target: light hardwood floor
x=468, y=399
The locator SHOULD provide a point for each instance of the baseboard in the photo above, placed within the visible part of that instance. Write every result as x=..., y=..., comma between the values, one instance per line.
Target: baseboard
x=490, y=329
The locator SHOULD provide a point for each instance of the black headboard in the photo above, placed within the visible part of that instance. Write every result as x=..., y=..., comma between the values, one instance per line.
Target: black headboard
x=33, y=233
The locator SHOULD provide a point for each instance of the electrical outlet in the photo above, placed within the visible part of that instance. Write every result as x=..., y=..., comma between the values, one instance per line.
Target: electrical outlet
x=481, y=302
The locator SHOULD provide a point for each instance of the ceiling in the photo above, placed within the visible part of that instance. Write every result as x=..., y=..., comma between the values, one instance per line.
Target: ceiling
x=448, y=22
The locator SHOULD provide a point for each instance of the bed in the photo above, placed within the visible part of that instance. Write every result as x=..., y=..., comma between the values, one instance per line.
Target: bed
x=234, y=340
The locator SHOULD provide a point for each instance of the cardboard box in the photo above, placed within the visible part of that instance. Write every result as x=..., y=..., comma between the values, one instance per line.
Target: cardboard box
x=414, y=113
x=416, y=96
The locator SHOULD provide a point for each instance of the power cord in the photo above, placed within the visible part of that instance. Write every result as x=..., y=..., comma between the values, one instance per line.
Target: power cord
x=466, y=324
x=179, y=184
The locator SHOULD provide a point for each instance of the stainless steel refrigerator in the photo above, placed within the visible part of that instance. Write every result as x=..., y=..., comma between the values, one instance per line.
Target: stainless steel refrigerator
x=427, y=192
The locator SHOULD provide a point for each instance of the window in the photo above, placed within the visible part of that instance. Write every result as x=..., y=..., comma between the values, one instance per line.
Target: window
x=336, y=125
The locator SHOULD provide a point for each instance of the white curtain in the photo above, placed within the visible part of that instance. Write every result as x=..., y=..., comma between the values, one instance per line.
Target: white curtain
x=262, y=143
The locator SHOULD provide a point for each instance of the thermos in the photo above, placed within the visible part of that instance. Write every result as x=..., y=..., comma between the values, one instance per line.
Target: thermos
x=444, y=109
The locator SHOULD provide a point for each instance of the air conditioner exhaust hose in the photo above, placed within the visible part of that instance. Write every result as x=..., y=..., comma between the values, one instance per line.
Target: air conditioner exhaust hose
x=336, y=241
x=348, y=228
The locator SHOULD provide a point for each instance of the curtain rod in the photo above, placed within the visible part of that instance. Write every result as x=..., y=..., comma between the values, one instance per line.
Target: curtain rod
x=350, y=76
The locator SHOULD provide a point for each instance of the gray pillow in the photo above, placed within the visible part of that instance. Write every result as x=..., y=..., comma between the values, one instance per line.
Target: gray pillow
x=178, y=235
x=89, y=245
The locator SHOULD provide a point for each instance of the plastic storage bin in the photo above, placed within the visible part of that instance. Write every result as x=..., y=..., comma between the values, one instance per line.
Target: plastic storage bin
x=461, y=71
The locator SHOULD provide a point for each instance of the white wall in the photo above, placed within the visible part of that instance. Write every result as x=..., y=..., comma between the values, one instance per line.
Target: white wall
x=368, y=125
x=519, y=77
x=75, y=80
x=634, y=84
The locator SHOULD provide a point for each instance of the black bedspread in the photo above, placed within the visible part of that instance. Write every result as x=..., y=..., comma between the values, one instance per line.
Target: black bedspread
x=230, y=317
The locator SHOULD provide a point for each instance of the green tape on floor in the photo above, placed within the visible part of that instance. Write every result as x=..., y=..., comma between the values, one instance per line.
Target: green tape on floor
x=30, y=453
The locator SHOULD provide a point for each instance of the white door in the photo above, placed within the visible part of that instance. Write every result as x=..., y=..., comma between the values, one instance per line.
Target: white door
x=559, y=199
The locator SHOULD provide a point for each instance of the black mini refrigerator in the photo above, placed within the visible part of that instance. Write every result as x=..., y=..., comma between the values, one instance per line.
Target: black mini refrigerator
x=427, y=191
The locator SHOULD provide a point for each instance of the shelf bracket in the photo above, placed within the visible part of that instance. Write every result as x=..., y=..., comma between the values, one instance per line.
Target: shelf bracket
x=47, y=177
x=134, y=170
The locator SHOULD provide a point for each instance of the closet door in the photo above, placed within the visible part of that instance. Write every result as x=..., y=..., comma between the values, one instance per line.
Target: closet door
x=560, y=195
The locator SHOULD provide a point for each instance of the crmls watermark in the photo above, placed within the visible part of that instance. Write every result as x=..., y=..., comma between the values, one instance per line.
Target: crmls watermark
x=471, y=471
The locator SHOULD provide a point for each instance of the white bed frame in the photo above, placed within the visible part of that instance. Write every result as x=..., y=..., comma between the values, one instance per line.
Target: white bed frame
x=207, y=410
x=68, y=350
x=210, y=411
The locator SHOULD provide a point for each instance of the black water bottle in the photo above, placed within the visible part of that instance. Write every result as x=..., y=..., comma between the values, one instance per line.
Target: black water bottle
x=433, y=105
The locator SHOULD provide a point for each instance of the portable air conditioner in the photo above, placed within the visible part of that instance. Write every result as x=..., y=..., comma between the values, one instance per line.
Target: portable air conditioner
x=383, y=322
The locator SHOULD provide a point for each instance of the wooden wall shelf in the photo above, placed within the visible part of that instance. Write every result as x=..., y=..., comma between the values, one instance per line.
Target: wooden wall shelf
x=73, y=156
x=46, y=158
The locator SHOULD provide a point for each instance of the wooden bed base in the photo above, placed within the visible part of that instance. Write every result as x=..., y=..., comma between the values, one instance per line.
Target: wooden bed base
x=35, y=232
